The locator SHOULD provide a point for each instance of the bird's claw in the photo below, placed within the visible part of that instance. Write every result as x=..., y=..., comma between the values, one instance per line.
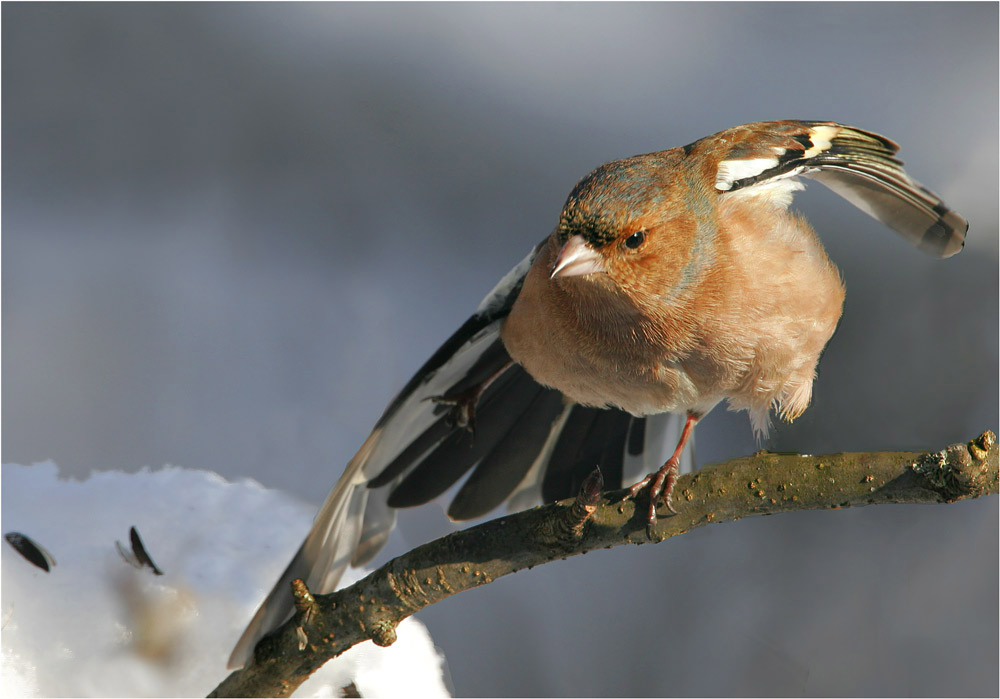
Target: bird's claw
x=463, y=402
x=661, y=486
x=462, y=413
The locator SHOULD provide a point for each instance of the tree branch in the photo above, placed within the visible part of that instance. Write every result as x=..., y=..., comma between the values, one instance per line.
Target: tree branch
x=766, y=483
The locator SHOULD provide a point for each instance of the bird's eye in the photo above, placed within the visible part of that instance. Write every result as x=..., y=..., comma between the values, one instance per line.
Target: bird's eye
x=635, y=240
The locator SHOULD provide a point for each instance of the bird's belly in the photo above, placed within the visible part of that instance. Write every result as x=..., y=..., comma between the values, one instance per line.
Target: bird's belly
x=639, y=388
x=769, y=361
x=664, y=388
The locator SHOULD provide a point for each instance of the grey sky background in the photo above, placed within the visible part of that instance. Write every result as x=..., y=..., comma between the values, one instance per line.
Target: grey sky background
x=232, y=231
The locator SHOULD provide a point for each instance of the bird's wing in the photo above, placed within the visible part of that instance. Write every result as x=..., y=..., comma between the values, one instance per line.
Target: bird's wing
x=858, y=165
x=526, y=438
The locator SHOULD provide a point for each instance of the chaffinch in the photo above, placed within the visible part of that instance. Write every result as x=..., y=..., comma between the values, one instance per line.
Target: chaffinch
x=672, y=281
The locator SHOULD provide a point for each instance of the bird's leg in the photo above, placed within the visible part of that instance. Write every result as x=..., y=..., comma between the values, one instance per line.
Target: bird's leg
x=463, y=403
x=661, y=483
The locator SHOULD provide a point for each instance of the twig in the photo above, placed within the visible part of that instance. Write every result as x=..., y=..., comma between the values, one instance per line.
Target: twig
x=765, y=483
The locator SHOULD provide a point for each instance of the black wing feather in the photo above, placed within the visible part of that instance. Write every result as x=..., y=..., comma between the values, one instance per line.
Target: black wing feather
x=588, y=440
x=502, y=470
x=500, y=406
x=859, y=166
x=637, y=436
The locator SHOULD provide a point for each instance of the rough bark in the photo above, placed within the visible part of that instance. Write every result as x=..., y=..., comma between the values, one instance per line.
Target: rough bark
x=765, y=483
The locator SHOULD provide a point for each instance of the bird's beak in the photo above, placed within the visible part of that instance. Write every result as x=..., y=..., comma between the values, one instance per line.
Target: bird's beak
x=576, y=258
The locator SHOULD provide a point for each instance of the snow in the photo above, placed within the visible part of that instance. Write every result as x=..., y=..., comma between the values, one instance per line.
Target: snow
x=97, y=626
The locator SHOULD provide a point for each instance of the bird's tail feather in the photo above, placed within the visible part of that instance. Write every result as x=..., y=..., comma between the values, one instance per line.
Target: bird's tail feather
x=324, y=555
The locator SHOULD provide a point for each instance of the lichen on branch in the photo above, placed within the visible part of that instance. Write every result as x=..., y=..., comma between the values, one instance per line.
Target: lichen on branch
x=765, y=483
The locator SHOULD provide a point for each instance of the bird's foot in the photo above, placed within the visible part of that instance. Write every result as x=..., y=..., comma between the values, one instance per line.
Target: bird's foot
x=463, y=403
x=462, y=412
x=661, y=486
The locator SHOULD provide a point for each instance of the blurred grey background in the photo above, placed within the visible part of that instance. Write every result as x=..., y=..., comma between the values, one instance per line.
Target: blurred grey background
x=231, y=232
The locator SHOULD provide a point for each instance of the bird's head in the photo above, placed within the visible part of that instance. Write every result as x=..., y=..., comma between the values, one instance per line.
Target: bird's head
x=631, y=224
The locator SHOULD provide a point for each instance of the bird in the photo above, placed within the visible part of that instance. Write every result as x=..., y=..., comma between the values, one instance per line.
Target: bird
x=671, y=282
